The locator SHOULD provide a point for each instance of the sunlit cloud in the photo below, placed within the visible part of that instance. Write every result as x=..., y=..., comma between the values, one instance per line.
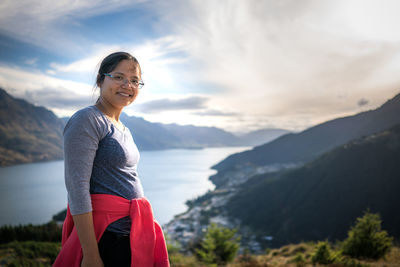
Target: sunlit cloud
x=218, y=113
x=160, y=105
x=62, y=96
x=289, y=59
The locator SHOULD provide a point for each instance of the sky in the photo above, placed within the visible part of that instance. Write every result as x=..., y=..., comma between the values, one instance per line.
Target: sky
x=234, y=64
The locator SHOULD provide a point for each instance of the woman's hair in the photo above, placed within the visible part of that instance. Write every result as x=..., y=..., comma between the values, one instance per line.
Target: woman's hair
x=110, y=62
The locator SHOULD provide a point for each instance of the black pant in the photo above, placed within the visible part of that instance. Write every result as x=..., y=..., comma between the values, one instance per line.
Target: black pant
x=115, y=250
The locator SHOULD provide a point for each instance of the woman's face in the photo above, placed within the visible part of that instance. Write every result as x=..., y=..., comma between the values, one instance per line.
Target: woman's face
x=121, y=94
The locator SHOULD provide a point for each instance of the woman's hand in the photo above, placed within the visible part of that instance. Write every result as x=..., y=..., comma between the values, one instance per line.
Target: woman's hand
x=93, y=261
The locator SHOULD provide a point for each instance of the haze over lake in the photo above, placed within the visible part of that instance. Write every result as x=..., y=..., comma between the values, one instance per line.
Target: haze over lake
x=33, y=193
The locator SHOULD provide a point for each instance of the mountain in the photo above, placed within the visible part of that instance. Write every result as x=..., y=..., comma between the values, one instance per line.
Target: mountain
x=27, y=133
x=151, y=136
x=309, y=144
x=208, y=136
x=324, y=197
x=262, y=136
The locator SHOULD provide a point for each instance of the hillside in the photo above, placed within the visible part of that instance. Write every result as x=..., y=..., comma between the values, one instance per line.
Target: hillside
x=321, y=199
x=27, y=133
x=262, y=136
x=309, y=144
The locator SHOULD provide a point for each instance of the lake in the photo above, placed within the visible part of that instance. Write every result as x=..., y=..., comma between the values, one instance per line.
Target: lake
x=33, y=193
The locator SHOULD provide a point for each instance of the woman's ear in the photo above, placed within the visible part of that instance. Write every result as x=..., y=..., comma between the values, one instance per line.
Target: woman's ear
x=98, y=80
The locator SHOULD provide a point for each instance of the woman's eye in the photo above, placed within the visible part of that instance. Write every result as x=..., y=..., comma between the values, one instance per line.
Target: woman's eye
x=134, y=82
x=118, y=78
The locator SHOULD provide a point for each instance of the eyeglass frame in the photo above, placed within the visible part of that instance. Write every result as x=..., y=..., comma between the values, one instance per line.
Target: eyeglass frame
x=135, y=83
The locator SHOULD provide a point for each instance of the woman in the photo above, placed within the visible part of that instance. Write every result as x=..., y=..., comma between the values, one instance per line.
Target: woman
x=109, y=222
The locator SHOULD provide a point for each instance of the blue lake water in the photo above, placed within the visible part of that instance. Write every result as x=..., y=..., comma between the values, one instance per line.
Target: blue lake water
x=33, y=193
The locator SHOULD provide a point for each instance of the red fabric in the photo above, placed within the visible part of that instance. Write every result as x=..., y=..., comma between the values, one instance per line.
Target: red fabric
x=148, y=246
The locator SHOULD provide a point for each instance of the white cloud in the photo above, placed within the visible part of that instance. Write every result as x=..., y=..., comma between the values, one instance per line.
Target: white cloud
x=289, y=60
x=43, y=22
x=31, y=61
x=62, y=96
x=168, y=104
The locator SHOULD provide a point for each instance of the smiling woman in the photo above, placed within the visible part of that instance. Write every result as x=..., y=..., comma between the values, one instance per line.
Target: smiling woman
x=109, y=221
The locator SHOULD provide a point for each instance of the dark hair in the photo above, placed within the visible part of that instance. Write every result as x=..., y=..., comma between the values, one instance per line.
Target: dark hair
x=111, y=61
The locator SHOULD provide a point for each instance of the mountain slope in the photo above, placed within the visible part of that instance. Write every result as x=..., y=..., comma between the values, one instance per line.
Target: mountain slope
x=307, y=145
x=324, y=197
x=27, y=133
x=262, y=136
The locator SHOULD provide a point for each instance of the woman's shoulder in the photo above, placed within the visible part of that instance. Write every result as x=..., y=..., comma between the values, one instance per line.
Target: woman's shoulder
x=88, y=117
x=90, y=113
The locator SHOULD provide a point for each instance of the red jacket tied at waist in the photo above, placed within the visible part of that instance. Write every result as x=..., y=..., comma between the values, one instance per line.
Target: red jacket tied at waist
x=148, y=248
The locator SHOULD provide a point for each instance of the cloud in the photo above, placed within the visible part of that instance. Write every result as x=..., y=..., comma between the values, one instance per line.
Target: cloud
x=57, y=99
x=44, y=23
x=362, y=102
x=31, y=61
x=289, y=60
x=218, y=113
x=62, y=96
x=160, y=105
x=288, y=63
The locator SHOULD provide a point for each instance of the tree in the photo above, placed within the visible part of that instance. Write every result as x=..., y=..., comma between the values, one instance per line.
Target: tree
x=366, y=239
x=322, y=254
x=218, y=246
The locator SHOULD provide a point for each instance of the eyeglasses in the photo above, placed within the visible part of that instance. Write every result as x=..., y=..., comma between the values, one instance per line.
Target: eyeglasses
x=119, y=79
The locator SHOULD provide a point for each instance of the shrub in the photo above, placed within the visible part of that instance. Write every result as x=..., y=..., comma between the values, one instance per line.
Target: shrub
x=219, y=245
x=299, y=260
x=50, y=232
x=172, y=245
x=322, y=254
x=366, y=239
x=180, y=260
x=32, y=249
x=30, y=253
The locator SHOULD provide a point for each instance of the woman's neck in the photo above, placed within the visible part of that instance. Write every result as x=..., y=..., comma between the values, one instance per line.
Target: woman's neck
x=109, y=110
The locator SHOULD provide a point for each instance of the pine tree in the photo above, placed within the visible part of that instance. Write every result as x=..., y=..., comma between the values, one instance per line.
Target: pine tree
x=219, y=245
x=366, y=238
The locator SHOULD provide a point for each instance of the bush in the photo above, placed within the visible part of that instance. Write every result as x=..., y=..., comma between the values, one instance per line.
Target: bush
x=172, y=245
x=30, y=253
x=219, y=245
x=366, y=239
x=50, y=232
x=32, y=249
x=322, y=254
x=299, y=260
x=180, y=260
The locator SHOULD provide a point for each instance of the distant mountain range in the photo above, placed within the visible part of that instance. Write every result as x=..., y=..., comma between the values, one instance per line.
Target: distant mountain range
x=311, y=143
x=29, y=133
x=322, y=199
x=155, y=136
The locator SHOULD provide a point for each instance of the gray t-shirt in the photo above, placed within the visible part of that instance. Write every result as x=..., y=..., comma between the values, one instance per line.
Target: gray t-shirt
x=99, y=159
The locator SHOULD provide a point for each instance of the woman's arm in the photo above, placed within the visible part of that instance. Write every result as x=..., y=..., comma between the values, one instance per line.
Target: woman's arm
x=81, y=138
x=85, y=229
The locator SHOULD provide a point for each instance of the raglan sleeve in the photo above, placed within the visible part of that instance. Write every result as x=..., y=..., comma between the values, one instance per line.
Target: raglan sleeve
x=82, y=135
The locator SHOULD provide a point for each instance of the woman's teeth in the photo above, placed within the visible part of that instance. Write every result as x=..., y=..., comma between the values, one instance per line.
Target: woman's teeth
x=123, y=94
